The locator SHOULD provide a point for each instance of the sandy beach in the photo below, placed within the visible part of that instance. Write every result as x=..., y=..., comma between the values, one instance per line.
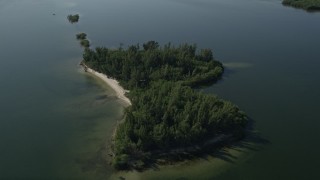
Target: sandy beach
x=114, y=84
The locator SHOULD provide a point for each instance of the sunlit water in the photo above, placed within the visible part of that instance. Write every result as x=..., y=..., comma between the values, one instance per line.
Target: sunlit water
x=56, y=121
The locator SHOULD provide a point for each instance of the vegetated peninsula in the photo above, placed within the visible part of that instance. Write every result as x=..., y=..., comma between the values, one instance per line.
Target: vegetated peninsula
x=166, y=113
x=73, y=18
x=309, y=5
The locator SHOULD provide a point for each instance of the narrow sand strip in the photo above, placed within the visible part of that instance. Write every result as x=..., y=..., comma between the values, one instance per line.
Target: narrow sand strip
x=114, y=84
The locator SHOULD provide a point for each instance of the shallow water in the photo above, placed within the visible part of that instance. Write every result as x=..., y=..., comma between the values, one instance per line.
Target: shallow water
x=55, y=120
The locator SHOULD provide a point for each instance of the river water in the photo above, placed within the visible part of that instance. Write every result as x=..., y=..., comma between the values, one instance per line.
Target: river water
x=55, y=120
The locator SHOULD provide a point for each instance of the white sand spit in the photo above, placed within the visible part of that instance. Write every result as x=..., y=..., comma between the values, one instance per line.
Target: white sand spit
x=114, y=84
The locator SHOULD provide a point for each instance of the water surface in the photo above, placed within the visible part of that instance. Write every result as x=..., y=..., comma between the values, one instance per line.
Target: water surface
x=55, y=121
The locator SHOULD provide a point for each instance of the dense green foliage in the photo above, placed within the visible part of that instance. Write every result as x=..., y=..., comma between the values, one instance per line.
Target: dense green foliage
x=169, y=115
x=304, y=4
x=166, y=112
x=137, y=67
x=85, y=43
x=81, y=36
x=73, y=18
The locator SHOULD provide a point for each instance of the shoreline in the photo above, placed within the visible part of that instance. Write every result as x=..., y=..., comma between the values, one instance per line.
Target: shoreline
x=114, y=84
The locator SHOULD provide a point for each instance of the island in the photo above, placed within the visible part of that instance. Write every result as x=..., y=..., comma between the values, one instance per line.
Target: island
x=309, y=5
x=81, y=36
x=165, y=112
x=84, y=42
x=73, y=18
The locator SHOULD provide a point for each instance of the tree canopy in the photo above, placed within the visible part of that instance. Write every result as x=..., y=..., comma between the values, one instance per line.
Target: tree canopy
x=73, y=18
x=84, y=42
x=136, y=68
x=310, y=5
x=81, y=36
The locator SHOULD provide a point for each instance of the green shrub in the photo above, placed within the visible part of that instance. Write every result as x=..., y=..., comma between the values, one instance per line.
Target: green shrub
x=73, y=18
x=81, y=36
x=85, y=43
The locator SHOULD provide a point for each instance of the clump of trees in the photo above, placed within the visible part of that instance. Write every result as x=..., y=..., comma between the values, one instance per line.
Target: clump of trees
x=73, y=18
x=136, y=67
x=310, y=5
x=84, y=42
x=81, y=36
x=170, y=115
x=166, y=112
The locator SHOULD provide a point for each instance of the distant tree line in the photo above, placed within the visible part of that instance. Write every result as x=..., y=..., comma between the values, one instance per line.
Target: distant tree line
x=166, y=112
x=310, y=5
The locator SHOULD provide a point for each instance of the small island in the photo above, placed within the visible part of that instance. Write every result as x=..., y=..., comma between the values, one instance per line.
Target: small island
x=84, y=42
x=309, y=5
x=73, y=18
x=81, y=36
x=165, y=113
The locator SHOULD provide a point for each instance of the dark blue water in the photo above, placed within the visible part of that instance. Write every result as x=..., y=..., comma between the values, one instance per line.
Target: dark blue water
x=55, y=121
